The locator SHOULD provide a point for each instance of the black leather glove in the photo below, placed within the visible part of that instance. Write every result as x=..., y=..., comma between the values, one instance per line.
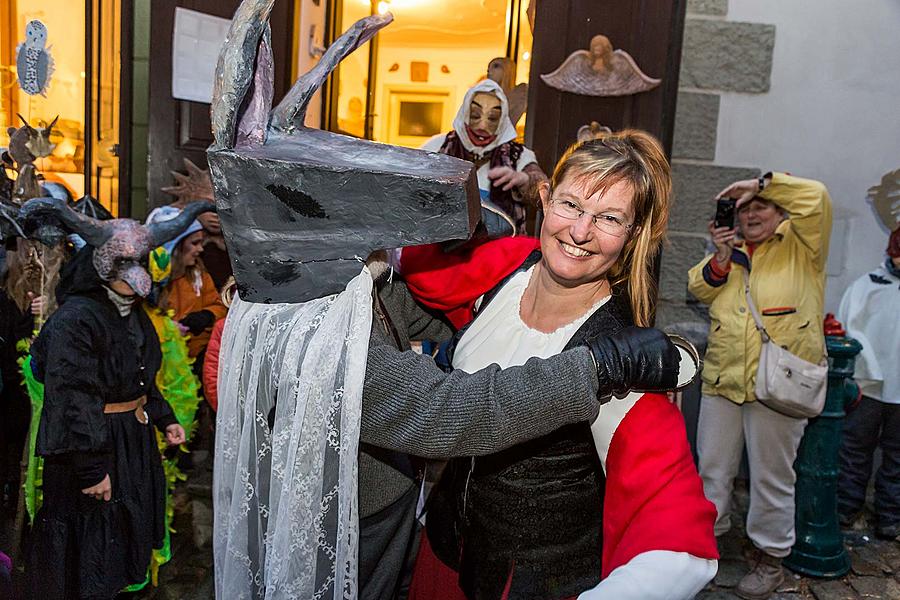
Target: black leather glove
x=636, y=358
x=198, y=321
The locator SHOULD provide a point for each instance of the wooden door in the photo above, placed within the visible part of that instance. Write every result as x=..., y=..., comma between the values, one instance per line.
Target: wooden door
x=649, y=30
x=181, y=129
x=106, y=63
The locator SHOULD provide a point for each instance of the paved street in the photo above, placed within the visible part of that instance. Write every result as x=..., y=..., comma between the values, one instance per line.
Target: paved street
x=875, y=571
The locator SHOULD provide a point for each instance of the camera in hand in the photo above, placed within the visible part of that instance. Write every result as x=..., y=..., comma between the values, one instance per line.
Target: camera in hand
x=725, y=212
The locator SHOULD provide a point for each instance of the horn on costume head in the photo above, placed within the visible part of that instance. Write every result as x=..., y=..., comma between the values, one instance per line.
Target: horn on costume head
x=164, y=231
x=235, y=69
x=93, y=231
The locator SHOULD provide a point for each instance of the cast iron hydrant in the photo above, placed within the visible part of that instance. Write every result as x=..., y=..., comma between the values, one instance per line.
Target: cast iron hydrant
x=819, y=550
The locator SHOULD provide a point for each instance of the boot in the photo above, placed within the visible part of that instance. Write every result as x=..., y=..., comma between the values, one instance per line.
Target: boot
x=763, y=580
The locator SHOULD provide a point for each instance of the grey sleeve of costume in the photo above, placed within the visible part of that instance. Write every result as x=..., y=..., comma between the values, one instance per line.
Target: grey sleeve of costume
x=411, y=406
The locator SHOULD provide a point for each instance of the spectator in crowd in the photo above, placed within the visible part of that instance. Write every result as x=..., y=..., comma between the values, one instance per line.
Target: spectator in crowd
x=870, y=312
x=190, y=292
x=784, y=224
x=26, y=290
x=508, y=172
x=211, y=360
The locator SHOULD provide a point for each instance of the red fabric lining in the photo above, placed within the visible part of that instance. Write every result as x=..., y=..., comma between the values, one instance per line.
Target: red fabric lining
x=452, y=282
x=654, y=497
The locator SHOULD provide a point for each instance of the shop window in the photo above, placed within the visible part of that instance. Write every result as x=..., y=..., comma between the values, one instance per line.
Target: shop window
x=65, y=94
x=406, y=85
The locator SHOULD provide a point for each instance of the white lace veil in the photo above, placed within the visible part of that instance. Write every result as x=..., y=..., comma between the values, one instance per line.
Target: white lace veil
x=285, y=500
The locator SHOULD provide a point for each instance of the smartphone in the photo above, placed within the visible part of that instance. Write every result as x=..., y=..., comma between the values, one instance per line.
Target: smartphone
x=725, y=212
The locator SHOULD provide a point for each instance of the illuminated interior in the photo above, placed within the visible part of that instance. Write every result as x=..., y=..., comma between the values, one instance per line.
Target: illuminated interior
x=65, y=21
x=425, y=61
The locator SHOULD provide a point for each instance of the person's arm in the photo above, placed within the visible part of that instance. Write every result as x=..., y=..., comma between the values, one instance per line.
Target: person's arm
x=72, y=415
x=703, y=283
x=403, y=309
x=658, y=539
x=411, y=406
x=808, y=204
x=212, y=308
x=211, y=365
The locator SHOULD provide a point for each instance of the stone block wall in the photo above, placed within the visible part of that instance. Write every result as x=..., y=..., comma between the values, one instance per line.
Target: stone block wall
x=718, y=56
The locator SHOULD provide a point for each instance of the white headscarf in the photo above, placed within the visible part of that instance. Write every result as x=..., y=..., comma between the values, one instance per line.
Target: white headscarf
x=505, y=130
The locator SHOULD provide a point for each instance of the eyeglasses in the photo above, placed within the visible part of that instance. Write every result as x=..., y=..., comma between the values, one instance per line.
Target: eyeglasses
x=610, y=224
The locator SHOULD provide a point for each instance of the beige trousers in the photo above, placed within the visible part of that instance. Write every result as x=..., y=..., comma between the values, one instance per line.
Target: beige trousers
x=772, y=440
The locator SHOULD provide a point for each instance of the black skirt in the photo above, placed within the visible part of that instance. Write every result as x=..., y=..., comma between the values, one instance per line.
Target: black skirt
x=87, y=548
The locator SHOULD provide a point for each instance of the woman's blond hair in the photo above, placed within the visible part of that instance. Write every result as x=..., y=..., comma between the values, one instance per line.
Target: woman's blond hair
x=636, y=157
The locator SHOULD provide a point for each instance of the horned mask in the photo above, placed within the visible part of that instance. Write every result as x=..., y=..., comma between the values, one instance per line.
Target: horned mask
x=120, y=246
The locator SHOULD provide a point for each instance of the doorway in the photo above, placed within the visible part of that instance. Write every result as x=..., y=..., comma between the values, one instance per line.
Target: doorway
x=406, y=84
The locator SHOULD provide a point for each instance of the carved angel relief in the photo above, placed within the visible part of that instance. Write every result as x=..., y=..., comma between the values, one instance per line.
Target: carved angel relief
x=886, y=199
x=600, y=71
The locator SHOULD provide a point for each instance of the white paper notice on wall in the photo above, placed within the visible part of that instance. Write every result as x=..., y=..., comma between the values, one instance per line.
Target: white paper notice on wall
x=196, y=42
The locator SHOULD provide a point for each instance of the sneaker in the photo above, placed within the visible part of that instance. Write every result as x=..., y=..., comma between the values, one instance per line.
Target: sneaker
x=763, y=580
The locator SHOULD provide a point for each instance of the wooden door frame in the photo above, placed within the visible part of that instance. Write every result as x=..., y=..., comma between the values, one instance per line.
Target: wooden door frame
x=126, y=57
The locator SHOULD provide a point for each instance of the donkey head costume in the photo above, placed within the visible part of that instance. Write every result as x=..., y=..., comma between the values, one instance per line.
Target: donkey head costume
x=300, y=210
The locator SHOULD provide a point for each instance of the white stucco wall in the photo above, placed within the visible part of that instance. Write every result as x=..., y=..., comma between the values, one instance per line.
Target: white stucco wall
x=832, y=114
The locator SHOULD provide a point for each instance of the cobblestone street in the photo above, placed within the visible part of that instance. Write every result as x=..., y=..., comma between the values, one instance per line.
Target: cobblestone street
x=875, y=570
x=875, y=567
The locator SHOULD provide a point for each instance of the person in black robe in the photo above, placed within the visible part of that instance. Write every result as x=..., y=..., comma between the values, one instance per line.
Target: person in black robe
x=104, y=487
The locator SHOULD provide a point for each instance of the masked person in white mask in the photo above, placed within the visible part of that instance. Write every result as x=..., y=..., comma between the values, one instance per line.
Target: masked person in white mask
x=508, y=172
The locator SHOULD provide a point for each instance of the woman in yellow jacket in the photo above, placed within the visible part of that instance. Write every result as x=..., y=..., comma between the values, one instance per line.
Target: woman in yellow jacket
x=785, y=225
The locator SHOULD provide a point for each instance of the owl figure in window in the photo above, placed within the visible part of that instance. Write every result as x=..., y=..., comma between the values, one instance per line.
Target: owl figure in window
x=33, y=61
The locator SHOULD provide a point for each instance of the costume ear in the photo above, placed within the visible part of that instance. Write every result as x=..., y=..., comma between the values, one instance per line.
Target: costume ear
x=235, y=69
x=291, y=111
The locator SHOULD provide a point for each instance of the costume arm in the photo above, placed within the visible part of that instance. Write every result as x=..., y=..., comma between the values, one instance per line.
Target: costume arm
x=655, y=515
x=809, y=206
x=411, y=406
x=658, y=574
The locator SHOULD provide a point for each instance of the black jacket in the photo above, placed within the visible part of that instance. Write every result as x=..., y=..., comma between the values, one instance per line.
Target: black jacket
x=533, y=511
x=87, y=355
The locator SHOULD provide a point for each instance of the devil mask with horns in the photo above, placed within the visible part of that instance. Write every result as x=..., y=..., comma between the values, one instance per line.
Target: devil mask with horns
x=120, y=246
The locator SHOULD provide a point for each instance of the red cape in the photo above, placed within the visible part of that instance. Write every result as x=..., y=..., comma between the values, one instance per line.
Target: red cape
x=452, y=282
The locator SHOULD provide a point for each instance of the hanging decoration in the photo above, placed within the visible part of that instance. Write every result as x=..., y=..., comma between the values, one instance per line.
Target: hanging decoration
x=34, y=63
x=600, y=71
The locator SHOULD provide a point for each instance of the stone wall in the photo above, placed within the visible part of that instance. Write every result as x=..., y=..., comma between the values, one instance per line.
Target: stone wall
x=718, y=56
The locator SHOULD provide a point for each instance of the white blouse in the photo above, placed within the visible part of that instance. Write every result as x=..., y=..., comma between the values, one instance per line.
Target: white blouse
x=499, y=336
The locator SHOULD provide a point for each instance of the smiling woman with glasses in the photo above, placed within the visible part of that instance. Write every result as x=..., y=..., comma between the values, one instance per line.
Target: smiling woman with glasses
x=532, y=521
